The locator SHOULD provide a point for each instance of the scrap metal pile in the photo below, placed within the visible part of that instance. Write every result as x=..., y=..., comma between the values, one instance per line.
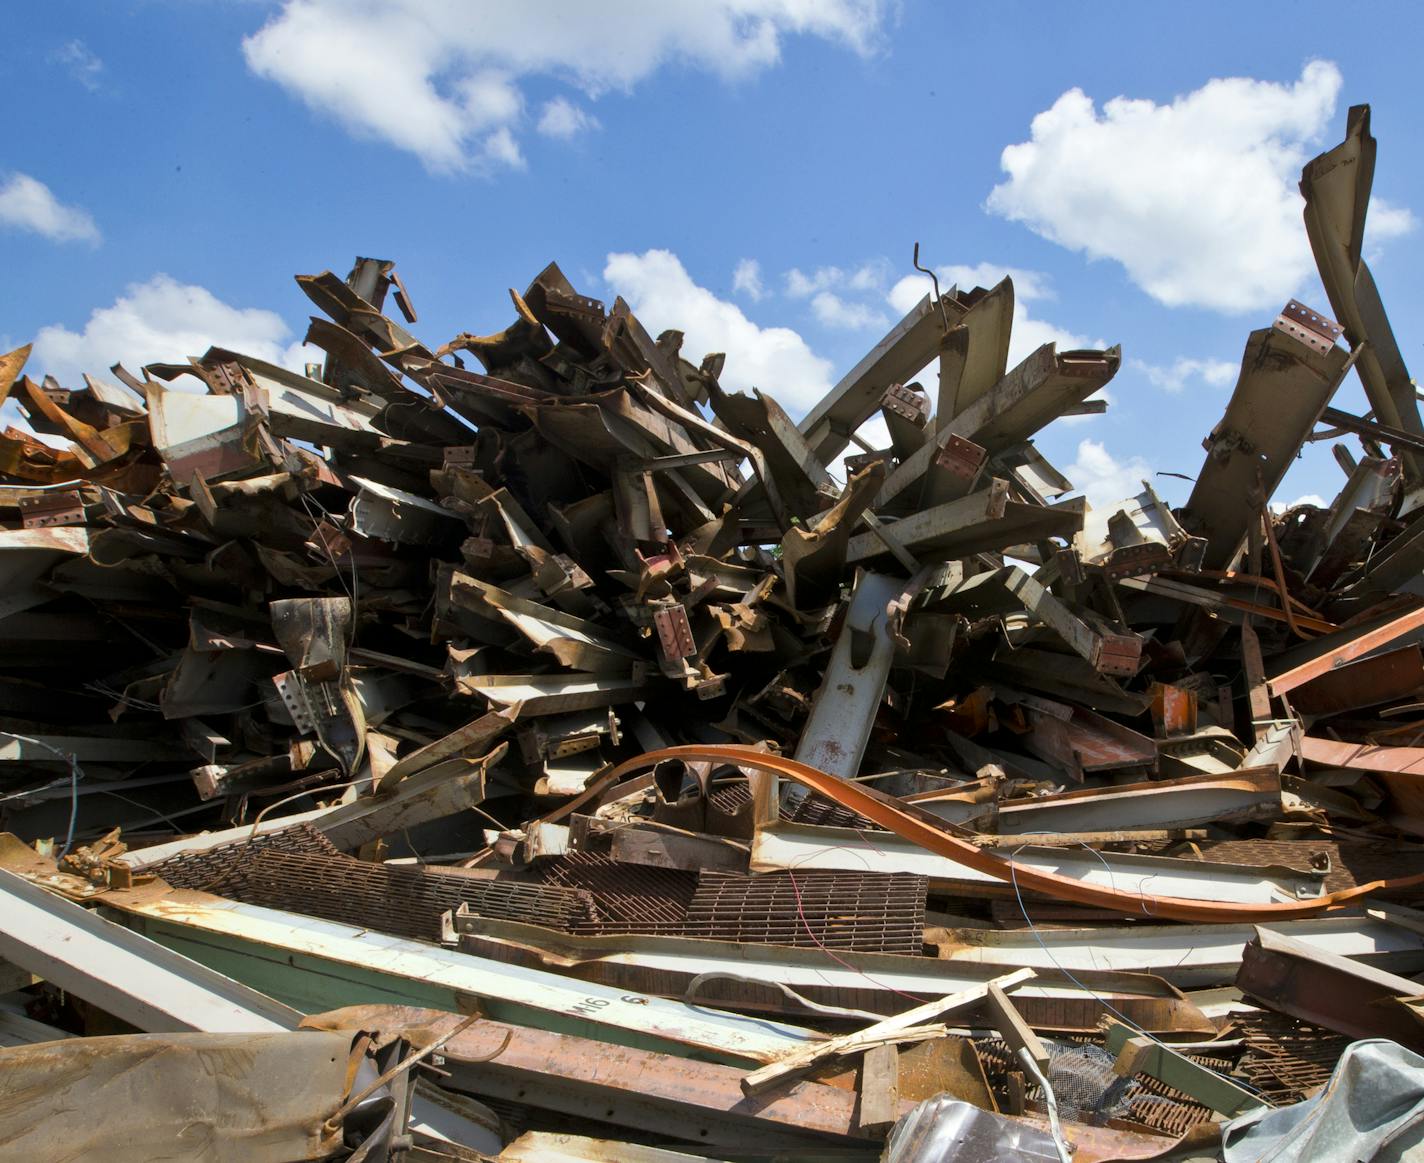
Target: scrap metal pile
x=545, y=731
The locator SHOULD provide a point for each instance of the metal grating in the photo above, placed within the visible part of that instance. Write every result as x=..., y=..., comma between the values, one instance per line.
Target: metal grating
x=867, y=912
x=298, y=870
x=809, y=809
x=202, y=870
x=1286, y=1060
x=402, y=900
x=624, y=898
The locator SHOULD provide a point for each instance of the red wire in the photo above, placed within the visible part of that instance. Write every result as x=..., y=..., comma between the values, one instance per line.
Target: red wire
x=801, y=912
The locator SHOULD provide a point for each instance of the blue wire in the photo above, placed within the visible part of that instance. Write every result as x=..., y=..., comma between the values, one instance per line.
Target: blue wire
x=1102, y=1001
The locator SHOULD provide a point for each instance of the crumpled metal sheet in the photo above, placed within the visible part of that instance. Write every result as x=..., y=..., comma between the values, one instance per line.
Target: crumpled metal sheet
x=146, y=1098
x=942, y=1128
x=1371, y=1109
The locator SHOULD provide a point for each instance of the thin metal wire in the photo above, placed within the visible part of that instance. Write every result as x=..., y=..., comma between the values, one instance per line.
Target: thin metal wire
x=1102, y=1001
x=75, y=771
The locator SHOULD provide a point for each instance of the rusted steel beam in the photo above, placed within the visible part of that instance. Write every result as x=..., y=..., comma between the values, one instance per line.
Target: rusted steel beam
x=1367, y=683
x=1339, y=648
x=678, y=1097
x=1328, y=990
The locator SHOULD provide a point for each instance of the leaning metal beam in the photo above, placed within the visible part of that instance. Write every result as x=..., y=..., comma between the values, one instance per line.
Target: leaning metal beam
x=1315, y=985
x=747, y=976
x=689, y=1100
x=1246, y=794
x=1328, y=653
x=979, y=523
x=1008, y=590
x=803, y=846
x=843, y=711
x=1283, y=386
x=123, y=973
x=909, y=346
x=1030, y=396
x=1336, y=186
x=1143, y=1055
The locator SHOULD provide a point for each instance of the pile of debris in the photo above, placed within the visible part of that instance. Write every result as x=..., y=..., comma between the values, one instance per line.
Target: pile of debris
x=471, y=763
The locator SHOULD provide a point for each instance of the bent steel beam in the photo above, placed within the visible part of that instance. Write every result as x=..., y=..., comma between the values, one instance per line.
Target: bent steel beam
x=929, y=832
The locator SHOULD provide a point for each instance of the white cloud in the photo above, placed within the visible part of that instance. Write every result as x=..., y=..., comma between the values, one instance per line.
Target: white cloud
x=1173, y=377
x=868, y=277
x=1029, y=333
x=1314, y=499
x=563, y=119
x=426, y=56
x=831, y=310
x=79, y=59
x=775, y=359
x=1196, y=199
x=803, y=286
x=501, y=147
x=160, y=321
x=1386, y=220
x=1103, y=479
x=28, y=204
x=746, y=279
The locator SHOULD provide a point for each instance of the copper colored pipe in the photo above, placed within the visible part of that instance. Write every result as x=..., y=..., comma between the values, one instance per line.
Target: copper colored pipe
x=919, y=827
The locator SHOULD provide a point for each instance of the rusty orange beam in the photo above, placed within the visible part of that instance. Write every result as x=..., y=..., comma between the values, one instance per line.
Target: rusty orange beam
x=930, y=833
x=1306, y=619
x=1338, y=649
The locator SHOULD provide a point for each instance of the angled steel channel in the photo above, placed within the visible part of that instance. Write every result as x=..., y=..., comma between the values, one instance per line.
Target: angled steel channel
x=319, y=965
x=124, y=973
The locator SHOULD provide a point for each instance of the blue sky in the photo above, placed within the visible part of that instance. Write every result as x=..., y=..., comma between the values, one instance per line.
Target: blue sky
x=754, y=172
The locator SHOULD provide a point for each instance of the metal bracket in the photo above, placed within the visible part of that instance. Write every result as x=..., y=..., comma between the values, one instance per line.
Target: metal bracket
x=961, y=458
x=674, y=632
x=1308, y=327
x=47, y=510
x=908, y=403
